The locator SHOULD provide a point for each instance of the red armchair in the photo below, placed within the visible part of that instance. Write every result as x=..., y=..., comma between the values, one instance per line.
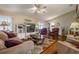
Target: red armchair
x=54, y=33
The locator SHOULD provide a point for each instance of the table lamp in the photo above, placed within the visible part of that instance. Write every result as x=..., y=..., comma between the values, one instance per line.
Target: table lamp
x=75, y=28
x=3, y=24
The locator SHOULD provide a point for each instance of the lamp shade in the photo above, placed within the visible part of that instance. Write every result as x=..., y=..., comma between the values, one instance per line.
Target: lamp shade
x=74, y=28
x=74, y=25
x=3, y=23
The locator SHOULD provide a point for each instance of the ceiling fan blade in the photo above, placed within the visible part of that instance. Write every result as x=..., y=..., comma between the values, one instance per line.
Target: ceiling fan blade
x=37, y=5
x=44, y=7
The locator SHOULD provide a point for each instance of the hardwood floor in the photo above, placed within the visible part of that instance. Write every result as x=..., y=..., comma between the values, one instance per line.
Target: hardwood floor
x=51, y=49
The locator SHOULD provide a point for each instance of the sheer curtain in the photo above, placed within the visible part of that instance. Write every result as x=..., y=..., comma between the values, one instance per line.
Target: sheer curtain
x=7, y=20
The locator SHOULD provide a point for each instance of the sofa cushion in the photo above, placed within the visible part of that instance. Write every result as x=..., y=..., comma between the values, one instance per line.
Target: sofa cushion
x=15, y=38
x=11, y=43
x=10, y=34
x=3, y=36
x=2, y=44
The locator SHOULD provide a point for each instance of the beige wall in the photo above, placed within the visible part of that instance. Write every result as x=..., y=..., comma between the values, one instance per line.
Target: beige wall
x=18, y=19
x=65, y=20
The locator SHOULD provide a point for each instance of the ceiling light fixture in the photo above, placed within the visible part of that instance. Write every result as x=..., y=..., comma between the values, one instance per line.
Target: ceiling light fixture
x=38, y=9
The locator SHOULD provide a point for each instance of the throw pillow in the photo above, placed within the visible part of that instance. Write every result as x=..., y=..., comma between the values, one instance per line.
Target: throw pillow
x=2, y=44
x=11, y=43
x=10, y=34
x=15, y=38
x=3, y=36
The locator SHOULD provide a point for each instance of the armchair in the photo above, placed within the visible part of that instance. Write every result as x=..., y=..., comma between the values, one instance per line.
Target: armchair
x=54, y=33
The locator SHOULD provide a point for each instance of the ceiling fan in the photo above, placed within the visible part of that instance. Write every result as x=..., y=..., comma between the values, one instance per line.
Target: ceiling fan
x=38, y=9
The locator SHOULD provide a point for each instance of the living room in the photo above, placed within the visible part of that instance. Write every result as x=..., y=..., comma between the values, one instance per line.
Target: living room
x=43, y=28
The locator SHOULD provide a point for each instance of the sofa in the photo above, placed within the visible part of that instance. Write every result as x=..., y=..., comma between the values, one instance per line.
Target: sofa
x=24, y=48
x=10, y=44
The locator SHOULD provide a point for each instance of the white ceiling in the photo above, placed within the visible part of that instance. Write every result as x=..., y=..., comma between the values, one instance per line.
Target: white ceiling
x=53, y=10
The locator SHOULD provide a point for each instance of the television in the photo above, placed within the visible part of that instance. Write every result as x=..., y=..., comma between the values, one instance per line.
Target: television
x=30, y=27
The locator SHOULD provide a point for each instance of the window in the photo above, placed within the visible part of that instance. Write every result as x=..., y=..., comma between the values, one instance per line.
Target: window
x=7, y=20
x=41, y=25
